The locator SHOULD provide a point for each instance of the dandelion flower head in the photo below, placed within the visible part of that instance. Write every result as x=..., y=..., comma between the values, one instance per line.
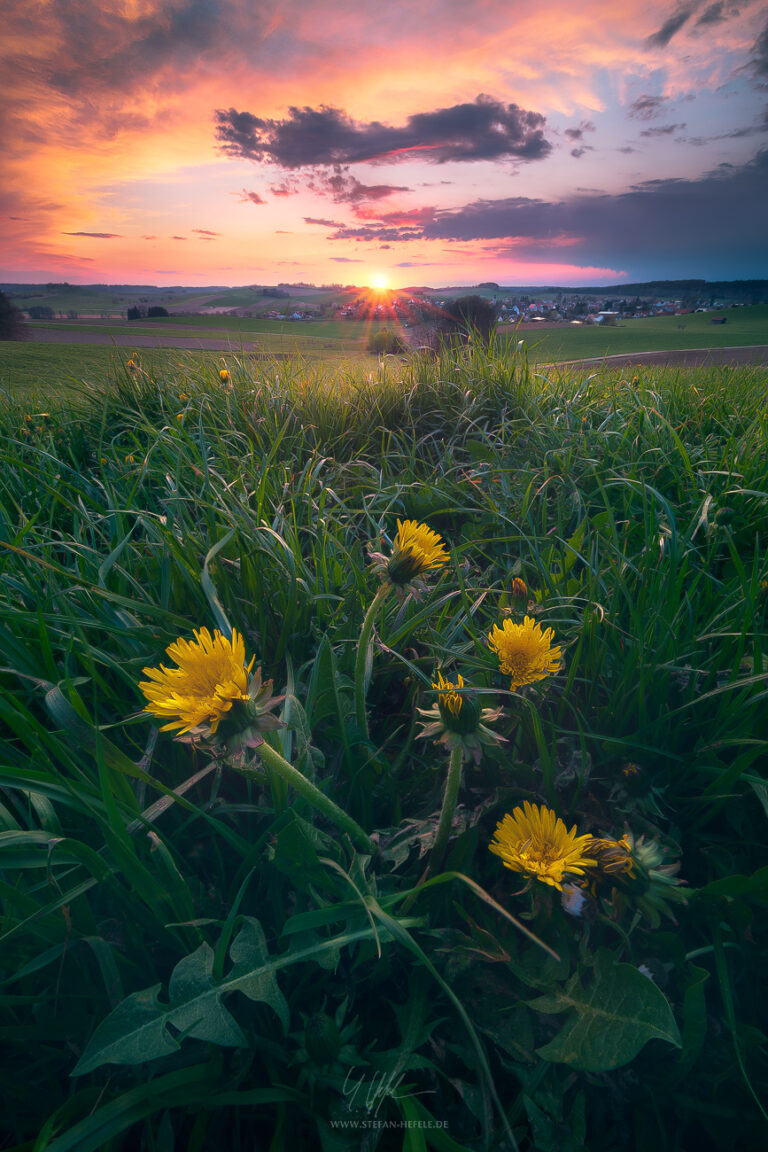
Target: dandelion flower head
x=448, y=699
x=417, y=549
x=525, y=651
x=536, y=842
x=210, y=677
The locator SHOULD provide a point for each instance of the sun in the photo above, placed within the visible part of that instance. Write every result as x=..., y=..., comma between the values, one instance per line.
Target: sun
x=379, y=282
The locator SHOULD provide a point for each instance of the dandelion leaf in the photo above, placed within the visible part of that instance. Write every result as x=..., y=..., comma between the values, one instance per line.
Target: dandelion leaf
x=612, y=1019
x=139, y=1029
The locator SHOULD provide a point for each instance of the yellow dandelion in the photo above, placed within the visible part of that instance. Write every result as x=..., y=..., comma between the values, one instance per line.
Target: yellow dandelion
x=525, y=651
x=179, y=415
x=224, y=376
x=417, y=549
x=613, y=857
x=131, y=365
x=448, y=699
x=211, y=676
x=535, y=842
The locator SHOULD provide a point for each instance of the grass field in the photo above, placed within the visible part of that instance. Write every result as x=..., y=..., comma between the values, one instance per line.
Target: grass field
x=45, y=368
x=296, y=930
x=650, y=334
x=327, y=341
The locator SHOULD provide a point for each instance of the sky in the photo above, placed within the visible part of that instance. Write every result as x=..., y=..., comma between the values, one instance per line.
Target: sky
x=433, y=142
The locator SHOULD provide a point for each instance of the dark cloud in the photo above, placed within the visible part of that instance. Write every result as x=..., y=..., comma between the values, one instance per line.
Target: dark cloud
x=345, y=260
x=698, y=227
x=387, y=226
x=285, y=188
x=662, y=130
x=344, y=188
x=206, y=232
x=178, y=237
x=683, y=227
x=96, y=235
x=646, y=107
x=759, y=59
x=671, y=26
x=577, y=153
x=253, y=197
x=483, y=130
x=714, y=14
x=110, y=46
x=322, y=223
x=578, y=133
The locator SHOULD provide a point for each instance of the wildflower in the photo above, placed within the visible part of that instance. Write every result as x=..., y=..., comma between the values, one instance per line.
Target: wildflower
x=534, y=841
x=179, y=415
x=458, y=721
x=211, y=686
x=519, y=589
x=631, y=770
x=417, y=549
x=224, y=376
x=130, y=459
x=653, y=883
x=573, y=900
x=183, y=396
x=613, y=858
x=131, y=365
x=525, y=651
x=102, y=459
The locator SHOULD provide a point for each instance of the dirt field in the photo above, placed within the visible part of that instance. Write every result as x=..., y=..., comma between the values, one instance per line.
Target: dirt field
x=679, y=358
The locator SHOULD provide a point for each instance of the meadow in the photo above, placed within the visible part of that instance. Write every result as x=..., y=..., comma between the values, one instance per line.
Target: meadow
x=291, y=926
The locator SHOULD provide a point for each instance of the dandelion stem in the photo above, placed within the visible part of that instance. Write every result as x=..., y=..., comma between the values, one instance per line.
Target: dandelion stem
x=316, y=798
x=361, y=660
x=451, y=795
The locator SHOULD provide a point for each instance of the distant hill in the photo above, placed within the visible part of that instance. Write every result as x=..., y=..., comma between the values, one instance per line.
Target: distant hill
x=97, y=296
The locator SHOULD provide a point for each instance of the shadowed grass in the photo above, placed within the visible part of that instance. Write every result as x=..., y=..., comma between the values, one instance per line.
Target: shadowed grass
x=635, y=508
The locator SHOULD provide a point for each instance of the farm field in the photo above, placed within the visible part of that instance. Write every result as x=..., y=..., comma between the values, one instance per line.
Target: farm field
x=382, y=742
x=328, y=341
x=744, y=326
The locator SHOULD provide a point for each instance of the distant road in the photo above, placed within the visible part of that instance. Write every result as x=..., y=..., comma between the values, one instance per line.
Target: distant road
x=675, y=358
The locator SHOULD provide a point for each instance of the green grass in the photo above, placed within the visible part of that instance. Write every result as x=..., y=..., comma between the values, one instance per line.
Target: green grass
x=43, y=369
x=653, y=333
x=264, y=978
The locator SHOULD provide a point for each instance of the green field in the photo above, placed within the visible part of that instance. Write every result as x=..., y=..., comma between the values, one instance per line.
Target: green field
x=743, y=326
x=31, y=366
x=278, y=933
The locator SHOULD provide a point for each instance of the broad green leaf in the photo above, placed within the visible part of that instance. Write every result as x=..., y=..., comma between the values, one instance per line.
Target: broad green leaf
x=614, y=1017
x=137, y=1030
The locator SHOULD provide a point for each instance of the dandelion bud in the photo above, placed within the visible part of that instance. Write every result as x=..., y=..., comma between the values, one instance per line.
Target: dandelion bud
x=519, y=589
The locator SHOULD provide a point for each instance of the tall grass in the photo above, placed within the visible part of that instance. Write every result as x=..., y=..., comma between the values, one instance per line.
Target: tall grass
x=635, y=508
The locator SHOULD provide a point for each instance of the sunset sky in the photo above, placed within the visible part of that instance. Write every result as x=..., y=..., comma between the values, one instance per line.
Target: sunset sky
x=430, y=142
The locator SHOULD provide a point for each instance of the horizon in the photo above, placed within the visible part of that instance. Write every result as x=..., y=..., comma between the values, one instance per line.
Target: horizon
x=169, y=143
